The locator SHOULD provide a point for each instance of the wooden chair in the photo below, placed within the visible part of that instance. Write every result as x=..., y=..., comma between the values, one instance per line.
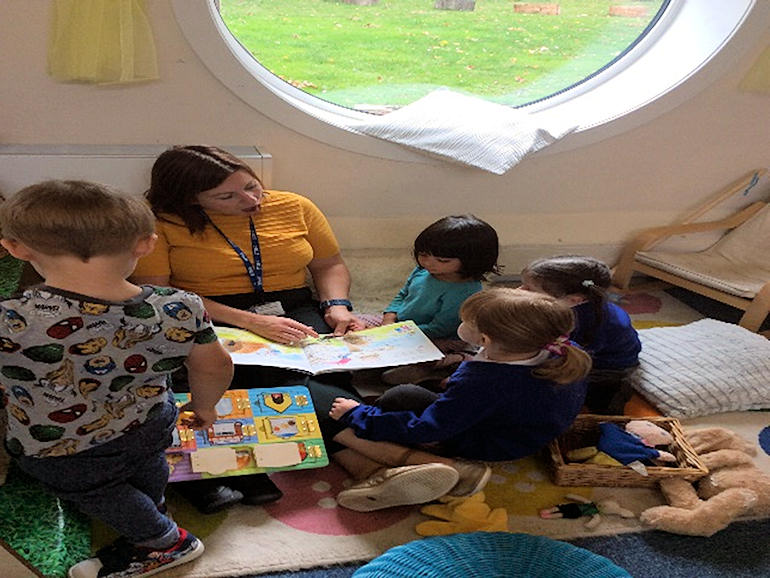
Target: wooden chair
x=734, y=270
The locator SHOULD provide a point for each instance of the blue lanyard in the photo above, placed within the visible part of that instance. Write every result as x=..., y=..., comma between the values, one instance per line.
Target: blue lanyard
x=253, y=271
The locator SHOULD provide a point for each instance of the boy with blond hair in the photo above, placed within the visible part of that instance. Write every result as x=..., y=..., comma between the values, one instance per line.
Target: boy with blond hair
x=85, y=365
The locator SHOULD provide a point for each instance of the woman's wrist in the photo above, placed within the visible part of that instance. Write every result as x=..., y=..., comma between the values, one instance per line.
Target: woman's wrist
x=247, y=319
x=336, y=302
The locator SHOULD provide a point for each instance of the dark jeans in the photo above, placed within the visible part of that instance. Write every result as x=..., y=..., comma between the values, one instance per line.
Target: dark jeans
x=414, y=398
x=120, y=482
x=406, y=397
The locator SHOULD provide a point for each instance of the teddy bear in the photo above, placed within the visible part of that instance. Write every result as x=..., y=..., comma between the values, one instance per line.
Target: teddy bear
x=734, y=487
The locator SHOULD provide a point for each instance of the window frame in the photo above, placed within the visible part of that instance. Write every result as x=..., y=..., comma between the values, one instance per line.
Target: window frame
x=708, y=36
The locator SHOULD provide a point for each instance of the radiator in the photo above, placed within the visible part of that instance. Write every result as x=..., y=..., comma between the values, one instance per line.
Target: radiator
x=125, y=167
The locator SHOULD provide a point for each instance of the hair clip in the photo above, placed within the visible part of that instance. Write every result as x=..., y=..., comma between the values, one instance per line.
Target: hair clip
x=558, y=346
x=588, y=283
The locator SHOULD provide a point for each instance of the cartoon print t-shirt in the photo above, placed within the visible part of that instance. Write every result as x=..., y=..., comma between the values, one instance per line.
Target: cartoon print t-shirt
x=78, y=372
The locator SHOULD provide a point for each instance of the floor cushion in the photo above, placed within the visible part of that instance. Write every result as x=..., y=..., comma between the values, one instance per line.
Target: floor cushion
x=703, y=368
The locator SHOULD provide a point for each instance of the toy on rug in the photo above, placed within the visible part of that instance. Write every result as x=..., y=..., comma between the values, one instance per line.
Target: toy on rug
x=580, y=506
x=632, y=446
x=460, y=515
x=734, y=487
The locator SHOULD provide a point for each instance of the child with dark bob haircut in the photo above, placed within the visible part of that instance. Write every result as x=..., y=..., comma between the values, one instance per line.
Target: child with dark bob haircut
x=86, y=360
x=464, y=237
x=454, y=255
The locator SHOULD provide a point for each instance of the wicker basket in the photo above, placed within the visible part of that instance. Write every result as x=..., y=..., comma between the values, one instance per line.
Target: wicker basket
x=585, y=432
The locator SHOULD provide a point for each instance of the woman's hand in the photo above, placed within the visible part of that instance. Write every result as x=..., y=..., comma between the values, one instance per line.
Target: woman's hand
x=332, y=281
x=282, y=330
x=341, y=406
x=341, y=320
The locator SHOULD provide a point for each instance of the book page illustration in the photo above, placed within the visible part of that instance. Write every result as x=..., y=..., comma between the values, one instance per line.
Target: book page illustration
x=389, y=345
x=247, y=348
x=394, y=344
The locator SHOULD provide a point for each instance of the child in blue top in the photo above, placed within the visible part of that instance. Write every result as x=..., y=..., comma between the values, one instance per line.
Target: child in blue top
x=602, y=328
x=453, y=257
x=86, y=361
x=524, y=387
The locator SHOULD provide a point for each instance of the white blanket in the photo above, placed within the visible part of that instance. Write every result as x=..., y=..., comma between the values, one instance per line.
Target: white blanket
x=465, y=129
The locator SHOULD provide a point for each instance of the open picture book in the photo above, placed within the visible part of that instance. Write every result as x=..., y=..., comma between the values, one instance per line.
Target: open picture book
x=395, y=344
x=257, y=430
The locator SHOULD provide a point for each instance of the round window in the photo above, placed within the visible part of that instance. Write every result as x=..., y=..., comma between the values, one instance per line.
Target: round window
x=377, y=55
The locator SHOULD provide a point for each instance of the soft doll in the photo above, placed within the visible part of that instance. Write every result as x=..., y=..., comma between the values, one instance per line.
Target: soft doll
x=627, y=446
x=580, y=506
x=651, y=435
x=734, y=487
x=632, y=446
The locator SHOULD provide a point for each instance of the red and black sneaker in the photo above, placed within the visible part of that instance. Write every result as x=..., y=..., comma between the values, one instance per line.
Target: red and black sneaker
x=123, y=559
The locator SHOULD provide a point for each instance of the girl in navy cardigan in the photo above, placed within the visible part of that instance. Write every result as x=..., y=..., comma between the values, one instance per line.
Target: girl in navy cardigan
x=602, y=328
x=523, y=389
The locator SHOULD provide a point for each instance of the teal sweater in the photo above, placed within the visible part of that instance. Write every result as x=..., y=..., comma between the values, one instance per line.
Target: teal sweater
x=434, y=305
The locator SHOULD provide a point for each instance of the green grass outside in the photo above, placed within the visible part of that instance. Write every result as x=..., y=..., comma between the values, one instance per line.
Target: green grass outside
x=399, y=50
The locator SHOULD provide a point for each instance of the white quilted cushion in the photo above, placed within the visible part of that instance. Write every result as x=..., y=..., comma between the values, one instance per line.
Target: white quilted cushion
x=466, y=129
x=739, y=263
x=703, y=368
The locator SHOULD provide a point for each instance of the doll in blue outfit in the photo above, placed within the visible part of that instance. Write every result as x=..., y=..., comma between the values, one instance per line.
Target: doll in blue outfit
x=524, y=388
x=602, y=328
x=454, y=255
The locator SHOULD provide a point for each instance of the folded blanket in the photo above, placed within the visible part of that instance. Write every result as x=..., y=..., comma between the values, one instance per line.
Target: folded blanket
x=466, y=129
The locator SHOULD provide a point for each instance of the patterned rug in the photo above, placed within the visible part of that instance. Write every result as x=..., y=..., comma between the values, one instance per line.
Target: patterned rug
x=306, y=529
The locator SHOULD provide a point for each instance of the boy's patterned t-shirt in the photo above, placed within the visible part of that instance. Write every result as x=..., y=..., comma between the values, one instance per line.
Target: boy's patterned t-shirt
x=78, y=372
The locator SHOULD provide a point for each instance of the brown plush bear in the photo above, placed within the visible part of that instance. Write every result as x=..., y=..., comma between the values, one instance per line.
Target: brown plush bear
x=734, y=487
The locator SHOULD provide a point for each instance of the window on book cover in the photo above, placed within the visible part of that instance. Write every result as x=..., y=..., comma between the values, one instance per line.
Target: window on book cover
x=378, y=55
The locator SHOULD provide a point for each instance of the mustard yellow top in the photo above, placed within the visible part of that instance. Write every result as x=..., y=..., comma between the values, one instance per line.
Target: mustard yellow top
x=291, y=230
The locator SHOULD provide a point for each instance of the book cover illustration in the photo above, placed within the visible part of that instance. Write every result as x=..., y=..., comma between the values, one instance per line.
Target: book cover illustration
x=388, y=345
x=257, y=430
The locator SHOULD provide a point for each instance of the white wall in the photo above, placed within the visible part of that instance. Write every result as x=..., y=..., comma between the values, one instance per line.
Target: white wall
x=590, y=198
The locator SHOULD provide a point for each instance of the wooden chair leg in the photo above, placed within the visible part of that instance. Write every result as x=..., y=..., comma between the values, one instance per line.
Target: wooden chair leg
x=757, y=311
x=621, y=273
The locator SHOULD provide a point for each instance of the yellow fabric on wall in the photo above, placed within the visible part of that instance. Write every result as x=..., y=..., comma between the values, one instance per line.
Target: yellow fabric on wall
x=758, y=77
x=101, y=42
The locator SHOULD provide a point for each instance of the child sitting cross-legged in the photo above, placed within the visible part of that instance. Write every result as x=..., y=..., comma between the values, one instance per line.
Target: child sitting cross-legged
x=454, y=255
x=524, y=388
x=86, y=360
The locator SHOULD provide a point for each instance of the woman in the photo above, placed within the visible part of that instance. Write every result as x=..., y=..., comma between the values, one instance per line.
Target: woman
x=246, y=251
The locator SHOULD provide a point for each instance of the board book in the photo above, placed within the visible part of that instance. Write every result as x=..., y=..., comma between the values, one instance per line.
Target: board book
x=257, y=430
x=394, y=344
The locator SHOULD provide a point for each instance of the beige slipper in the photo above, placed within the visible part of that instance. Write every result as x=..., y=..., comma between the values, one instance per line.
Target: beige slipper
x=390, y=487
